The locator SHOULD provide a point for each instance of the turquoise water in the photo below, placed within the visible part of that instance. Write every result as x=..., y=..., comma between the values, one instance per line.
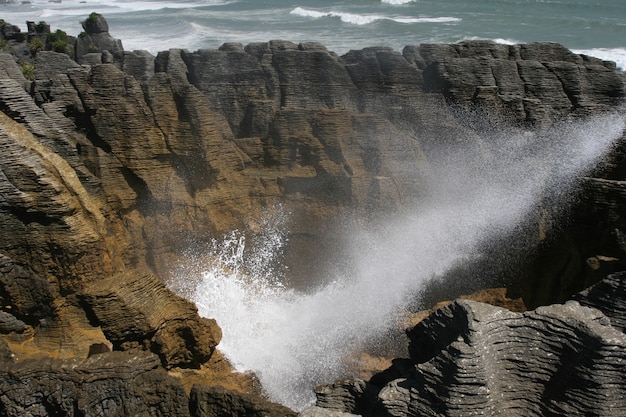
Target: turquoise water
x=595, y=27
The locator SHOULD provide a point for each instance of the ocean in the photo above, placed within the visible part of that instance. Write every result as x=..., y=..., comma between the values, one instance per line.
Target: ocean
x=592, y=27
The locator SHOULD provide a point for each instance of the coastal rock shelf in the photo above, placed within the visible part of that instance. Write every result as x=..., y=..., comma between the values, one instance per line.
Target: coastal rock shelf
x=117, y=167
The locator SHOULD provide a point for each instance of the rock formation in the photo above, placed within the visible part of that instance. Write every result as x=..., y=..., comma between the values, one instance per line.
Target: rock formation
x=473, y=358
x=116, y=166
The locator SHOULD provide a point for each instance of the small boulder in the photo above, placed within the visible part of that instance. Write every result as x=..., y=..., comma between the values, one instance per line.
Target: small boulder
x=140, y=312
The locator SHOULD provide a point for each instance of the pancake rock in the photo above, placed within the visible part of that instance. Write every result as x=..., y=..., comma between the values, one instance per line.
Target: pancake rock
x=473, y=358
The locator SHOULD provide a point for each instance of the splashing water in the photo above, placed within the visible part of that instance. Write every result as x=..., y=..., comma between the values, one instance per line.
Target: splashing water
x=295, y=341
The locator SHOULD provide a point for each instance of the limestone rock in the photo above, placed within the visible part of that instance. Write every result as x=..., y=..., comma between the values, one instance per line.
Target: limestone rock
x=28, y=295
x=473, y=358
x=209, y=138
x=96, y=38
x=345, y=396
x=95, y=23
x=111, y=171
x=608, y=296
x=112, y=384
x=10, y=69
x=315, y=411
x=10, y=324
x=140, y=312
x=6, y=355
x=42, y=191
x=219, y=402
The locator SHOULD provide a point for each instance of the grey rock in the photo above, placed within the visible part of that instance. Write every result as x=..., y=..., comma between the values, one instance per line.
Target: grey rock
x=139, y=64
x=10, y=69
x=10, y=324
x=113, y=384
x=608, y=296
x=95, y=23
x=96, y=39
x=219, y=402
x=470, y=358
x=315, y=411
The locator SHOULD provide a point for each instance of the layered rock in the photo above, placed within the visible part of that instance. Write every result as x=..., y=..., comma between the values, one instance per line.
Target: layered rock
x=218, y=402
x=473, y=358
x=113, y=384
x=168, y=325
x=209, y=138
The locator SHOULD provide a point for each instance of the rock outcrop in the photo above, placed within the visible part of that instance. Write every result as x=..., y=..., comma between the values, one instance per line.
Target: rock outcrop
x=168, y=325
x=218, y=402
x=473, y=358
x=113, y=384
x=118, y=166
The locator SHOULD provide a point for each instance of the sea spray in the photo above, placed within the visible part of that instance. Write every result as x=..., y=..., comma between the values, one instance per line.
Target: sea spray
x=295, y=341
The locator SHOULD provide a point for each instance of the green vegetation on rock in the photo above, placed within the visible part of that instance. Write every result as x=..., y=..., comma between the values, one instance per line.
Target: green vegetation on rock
x=35, y=46
x=57, y=41
x=28, y=70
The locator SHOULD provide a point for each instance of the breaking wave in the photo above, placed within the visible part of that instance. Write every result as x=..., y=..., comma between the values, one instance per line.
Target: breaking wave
x=365, y=19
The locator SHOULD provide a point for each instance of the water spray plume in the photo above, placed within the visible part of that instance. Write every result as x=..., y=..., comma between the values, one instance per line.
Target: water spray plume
x=295, y=341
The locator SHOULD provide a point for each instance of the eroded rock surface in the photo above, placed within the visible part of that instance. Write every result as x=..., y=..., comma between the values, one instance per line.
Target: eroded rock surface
x=113, y=384
x=473, y=358
x=138, y=311
x=219, y=402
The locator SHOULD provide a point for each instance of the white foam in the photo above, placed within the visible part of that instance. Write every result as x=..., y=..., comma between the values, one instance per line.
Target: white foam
x=397, y=2
x=52, y=12
x=503, y=41
x=365, y=19
x=617, y=55
x=356, y=19
x=443, y=19
x=296, y=341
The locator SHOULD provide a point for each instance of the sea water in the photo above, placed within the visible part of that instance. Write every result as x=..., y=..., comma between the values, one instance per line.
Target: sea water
x=594, y=27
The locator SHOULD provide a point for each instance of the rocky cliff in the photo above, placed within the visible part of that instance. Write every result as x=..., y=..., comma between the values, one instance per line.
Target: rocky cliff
x=118, y=166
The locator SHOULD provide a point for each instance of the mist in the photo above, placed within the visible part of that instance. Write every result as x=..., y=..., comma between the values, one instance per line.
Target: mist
x=295, y=340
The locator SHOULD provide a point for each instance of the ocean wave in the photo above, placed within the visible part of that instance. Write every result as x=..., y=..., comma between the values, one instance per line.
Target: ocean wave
x=503, y=41
x=396, y=2
x=178, y=34
x=49, y=9
x=139, y=6
x=361, y=19
x=617, y=55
